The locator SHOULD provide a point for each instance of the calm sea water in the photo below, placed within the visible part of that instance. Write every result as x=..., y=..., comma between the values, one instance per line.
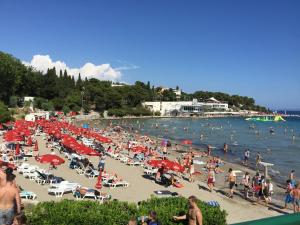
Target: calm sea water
x=278, y=147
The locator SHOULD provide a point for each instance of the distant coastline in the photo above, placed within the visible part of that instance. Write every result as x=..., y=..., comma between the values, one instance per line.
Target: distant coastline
x=97, y=117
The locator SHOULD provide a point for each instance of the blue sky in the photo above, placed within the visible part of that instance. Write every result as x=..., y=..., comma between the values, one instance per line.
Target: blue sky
x=240, y=47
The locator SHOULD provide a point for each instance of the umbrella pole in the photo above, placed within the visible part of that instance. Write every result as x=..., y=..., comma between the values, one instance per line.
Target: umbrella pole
x=48, y=172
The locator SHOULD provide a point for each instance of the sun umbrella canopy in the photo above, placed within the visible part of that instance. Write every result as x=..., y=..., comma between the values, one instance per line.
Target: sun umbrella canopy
x=139, y=149
x=167, y=164
x=186, y=142
x=51, y=159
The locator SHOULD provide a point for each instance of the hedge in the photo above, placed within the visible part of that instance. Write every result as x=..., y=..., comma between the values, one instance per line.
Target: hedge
x=67, y=212
x=166, y=208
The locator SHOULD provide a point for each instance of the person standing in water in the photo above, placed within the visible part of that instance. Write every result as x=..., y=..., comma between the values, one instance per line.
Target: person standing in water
x=246, y=157
x=225, y=148
x=293, y=178
x=258, y=159
x=208, y=150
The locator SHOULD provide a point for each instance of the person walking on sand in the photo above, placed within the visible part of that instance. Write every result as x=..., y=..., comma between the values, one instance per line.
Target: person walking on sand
x=231, y=181
x=246, y=183
x=9, y=195
x=191, y=171
x=288, y=198
x=194, y=215
x=211, y=178
x=295, y=193
x=258, y=159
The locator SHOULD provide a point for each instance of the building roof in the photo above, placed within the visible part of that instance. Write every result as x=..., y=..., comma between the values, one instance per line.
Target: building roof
x=213, y=99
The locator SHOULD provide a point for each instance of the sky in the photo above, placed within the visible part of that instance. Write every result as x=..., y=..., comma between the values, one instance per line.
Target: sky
x=249, y=48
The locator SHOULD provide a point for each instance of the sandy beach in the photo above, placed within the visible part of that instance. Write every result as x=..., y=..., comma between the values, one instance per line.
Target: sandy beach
x=140, y=188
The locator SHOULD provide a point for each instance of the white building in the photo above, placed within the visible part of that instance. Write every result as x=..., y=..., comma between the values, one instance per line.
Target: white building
x=28, y=99
x=34, y=116
x=181, y=107
x=177, y=93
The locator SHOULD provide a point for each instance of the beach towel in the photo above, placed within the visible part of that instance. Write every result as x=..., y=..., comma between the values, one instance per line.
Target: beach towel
x=213, y=203
x=178, y=185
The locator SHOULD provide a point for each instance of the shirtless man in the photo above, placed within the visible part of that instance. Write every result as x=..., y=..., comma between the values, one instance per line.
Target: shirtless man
x=8, y=195
x=194, y=215
x=232, y=181
x=296, y=195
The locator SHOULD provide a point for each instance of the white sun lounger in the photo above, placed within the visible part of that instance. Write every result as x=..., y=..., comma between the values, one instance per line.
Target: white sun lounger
x=63, y=187
x=28, y=195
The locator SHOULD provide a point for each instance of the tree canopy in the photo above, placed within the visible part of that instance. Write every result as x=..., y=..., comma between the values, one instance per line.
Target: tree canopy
x=62, y=92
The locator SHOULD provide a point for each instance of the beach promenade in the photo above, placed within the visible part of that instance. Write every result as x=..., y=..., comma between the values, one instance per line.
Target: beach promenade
x=140, y=188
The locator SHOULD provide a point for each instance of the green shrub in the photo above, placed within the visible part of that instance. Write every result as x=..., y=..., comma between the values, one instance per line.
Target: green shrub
x=166, y=208
x=69, y=212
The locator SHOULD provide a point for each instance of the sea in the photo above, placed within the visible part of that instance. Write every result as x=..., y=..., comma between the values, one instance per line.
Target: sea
x=278, y=142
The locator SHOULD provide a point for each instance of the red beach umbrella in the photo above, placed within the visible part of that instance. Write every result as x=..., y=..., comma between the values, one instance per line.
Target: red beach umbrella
x=36, y=146
x=170, y=165
x=17, y=151
x=186, y=142
x=51, y=159
x=12, y=136
x=138, y=149
x=99, y=181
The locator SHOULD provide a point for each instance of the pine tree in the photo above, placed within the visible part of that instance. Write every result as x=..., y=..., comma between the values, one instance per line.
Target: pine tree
x=79, y=82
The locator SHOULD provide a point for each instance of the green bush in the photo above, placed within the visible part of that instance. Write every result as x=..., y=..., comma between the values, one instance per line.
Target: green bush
x=166, y=208
x=69, y=212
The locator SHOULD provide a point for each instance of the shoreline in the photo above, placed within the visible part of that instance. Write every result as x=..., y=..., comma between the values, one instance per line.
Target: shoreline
x=93, y=117
x=279, y=186
x=238, y=209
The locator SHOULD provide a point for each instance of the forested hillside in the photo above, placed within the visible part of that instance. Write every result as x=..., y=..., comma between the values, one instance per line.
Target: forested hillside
x=57, y=90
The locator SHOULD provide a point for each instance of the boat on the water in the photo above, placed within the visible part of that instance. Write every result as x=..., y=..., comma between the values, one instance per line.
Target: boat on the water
x=266, y=119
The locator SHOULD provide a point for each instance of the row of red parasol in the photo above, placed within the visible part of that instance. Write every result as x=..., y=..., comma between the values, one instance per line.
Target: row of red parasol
x=166, y=164
x=54, y=128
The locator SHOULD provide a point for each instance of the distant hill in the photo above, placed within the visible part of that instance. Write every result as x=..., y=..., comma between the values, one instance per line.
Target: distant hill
x=63, y=93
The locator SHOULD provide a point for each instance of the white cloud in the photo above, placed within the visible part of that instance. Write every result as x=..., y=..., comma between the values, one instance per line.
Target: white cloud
x=89, y=70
